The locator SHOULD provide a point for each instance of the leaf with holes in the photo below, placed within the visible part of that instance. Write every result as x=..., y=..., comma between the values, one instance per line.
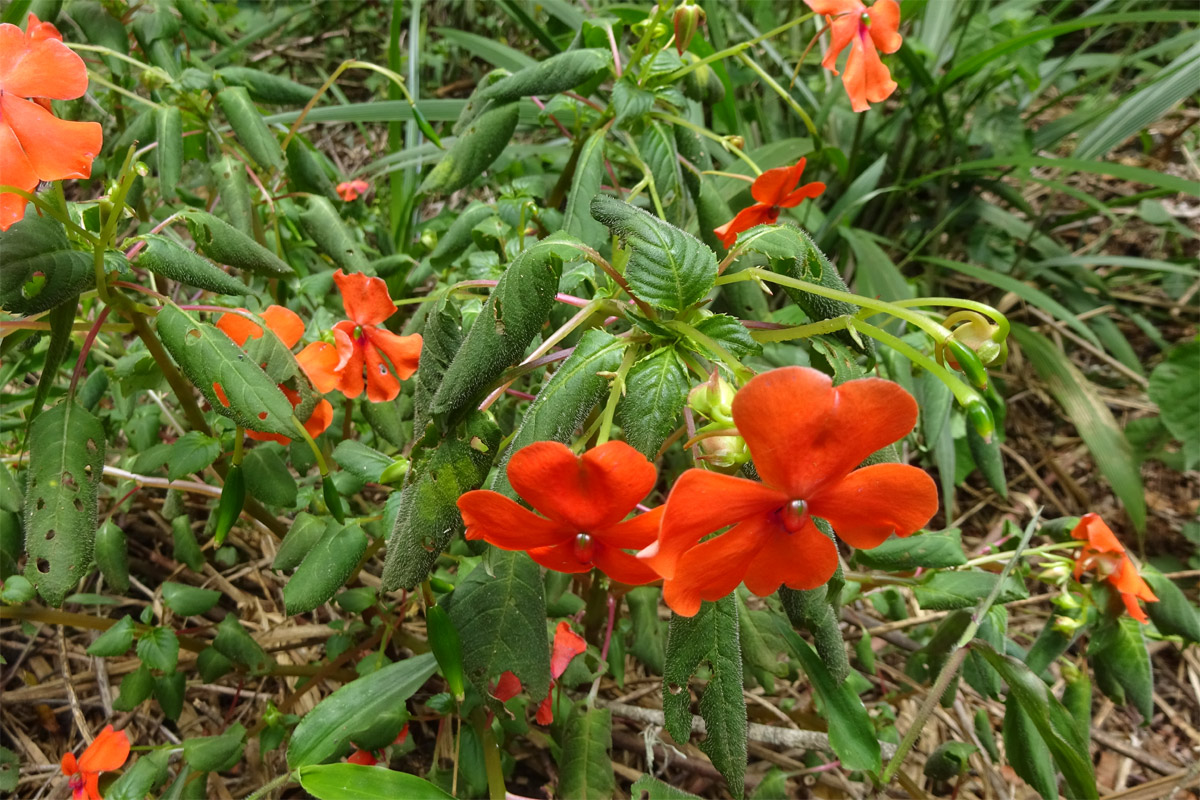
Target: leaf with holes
x=225, y=244
x=709, y=637
x=668, y=268
x=40, y=268
x=333, y=236
x=66, y=460
x=233, y=384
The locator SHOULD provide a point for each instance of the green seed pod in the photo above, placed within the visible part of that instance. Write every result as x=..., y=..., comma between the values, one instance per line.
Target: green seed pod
x=111, y=556
x=447, y=648
x=233, y=497
x=425, y=127
x=968, y=361
x=333, y=500
x=980, y=417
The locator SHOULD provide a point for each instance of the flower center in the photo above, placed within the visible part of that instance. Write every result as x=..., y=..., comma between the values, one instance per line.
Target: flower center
x=794, y=515
x=865, y=20
x=585, y=547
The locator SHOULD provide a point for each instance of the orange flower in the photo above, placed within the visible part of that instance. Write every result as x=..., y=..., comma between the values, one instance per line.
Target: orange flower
x=107, y=752
x=1104, y=554
x=35, y=68
x=362, y=343
x=806, y=437
x=350, y=190
x=584, y=499
x=775, y=189
x=567, y=645
x=288, y=326
x=864, y=28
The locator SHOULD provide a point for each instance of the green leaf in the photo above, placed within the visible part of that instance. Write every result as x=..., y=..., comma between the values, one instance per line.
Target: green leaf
x=1091, y=416
x=324, y=569
x=1173, y=614
x=1053, y=723
x=728, y=332
x=188, y=600
x=267, y=87
x=629, y=100
x=949, y=760
x=304, y=170
x=555, y=74
x=229, y=175
x=473, y=151
x=585, y=766
x=760, y=633
x=1118, y=655
x=115, y=641
x=1025, y=752
x=668, y=268
x=66, y=461
x=249, y=128
x=358, y=782
x=875, y=274
x=933, y=550
x=326, y=731
x=658, y=151
x=365, y=462
x=169, y=258
x=1175, y=389
x=655, y=391
x=507, y=323
x=158, y=648
x=135, y=688
x=989, y=459
x=457, y=238
x=187, y=549
x=946, y=591
x=428, y=516
x=236, y=644
x=11, y=497
x=190, y=453
x=147, y=774
x=169, y=134
x=112, y=556
x=651, y=788
x=710, y=637
x=211, y=665
x=225, y=244
x=210, y=359
x=303, y=534
x=488, y=49
x=215, y=753
x=333, y=236
x=649, y=632
x=500, y=612
x=268, y=479
x=16, y=591
x=585, y=184
x=62, y=320
x=169, y=691
x=40, y=268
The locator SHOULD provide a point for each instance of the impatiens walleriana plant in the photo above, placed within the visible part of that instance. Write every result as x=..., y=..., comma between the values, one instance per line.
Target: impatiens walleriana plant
x=107, y=752
x=774, y=190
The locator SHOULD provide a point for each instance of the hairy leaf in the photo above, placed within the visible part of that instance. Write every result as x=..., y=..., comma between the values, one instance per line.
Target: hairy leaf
x=225, y=244
x=324, y=569
x=473, y=151
x=169, y=258
x=555, y=74
x=40, y=268
x=655, y=391
x=585, y=766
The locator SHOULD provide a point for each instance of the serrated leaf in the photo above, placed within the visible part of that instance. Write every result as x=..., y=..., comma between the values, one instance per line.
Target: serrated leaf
x=169, y=258
x=629, y=100
x=473, y=151
x=710, y=637
x=324, y=569
x=648, y=787
x=555, y=74
x=728, y=332
x=147, y=774
x=326, y=731
x=225, y=244
x=658, y=151
x=135, y=688
x=66, y=461
x=585, y=766
x=946, y=591
x=235, y=643
x=358, y=782
x=268, y=478
x=585, y=184
x=1091, y=416
x=655, y=390
x=668, y=268
x=215, y=753
x=441, y=337
x=1118, y=655
x=333, y=236
x=158, y=648
x=188, y=600
x=933, y=550
x=115, y=641
x=210, y=359
x=304, y=533
x=428, y=516
x=1173, y=614
x=500, y=612
x=40, y=268
x=249, y=128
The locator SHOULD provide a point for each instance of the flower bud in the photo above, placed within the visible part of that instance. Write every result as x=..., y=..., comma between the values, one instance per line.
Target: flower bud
x=979, y=334
x=688, y=17
x=1056, y=574
x=724, y=453
x=713, y=399
x=736, y=142
x=1066, y=625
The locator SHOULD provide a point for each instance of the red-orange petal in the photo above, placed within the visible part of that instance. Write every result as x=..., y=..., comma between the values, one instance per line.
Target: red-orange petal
x=503, y=523
x=1126, y=580
x=623, y=567
x=588, y=492
x=835, y=7
x=843, y=31
x=744, y=220
x=239, y=328
x=567, y=645
x=802, y=560
x=805, y=192
x=1135, y=610
x=68, y=764
x=319, y=421
x=382, y=385
x=874, y=502
x=107, y=751
x=1097, y=534
x=38, y=64
x=15, y=170
x=404, y=352
x=560, y=558
x=56, y=148
x=885, y=25
x=365, y=299
x=804, y=432
x=319, y=361
x=363, y=758
x=700, y=503
x=545, y=712
x=635, y=533
x=866, y=78
x=350, y=364
x=714, y=568
x=507, y=687
x=284, y=323
x=771, y=187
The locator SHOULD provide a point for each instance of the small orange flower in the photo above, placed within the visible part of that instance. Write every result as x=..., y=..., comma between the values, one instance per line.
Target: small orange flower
x=362, y=343
x=350, y=190
x=1107, y=557
x=864, y=28
x=567, y=645
x=287, y=325
x=584, y=499
x=107, y=752
x=774, y=190
x=35, y=68
x=807, y=437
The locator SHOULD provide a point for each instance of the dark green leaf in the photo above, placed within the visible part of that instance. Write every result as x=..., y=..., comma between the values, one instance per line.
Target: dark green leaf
x=1118, y=655
x=557, y=73
x=457, y=238
x=147, y=774
x=190, y=453
x=1173, y=614
x=268, y=479
x=304, y=533
x=267, y=87
x=169, y=133
x=158, y=648
x=135, y=688
x=215, y=753
x=585, y=184
x=187, y=549
x=188, y=600
x=169, y=691
x=950, y=590
x=1175, y=388
x=211, y=665
x=333, y=237
x=473, y=151
x=658, y=151
x=933, y=550
x=358, y=782
x=40, y=268
x=249, y=128
x=629, y=100
x=949, y=760
x=170, y=259
x=585, y=766
x=304, y=170
x=115, y=641
x=655, y=391
x=324, y=569
x=365, y=462
x=229, y=174
x=649, y=632
x=1025, y=751
x=728, y=332
x=225, y=244
x=112, y=556
x=651, y=788
x=236, y=644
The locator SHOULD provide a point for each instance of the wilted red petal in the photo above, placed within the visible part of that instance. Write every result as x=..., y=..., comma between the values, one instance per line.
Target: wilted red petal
x=874, y=502
x=715, y=567
x=507, y=687
x=588, y=492
x=567, y=645
x=56, y=148
x=107, y=751
x=38, y=64
x=319, y=361
x=744, y=220
x=802, y=560
x=771, y=187
x=503, y=523
x=365, y=299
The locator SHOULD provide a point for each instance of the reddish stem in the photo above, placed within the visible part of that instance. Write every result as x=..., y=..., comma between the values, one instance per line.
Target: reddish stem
x=612, y=616
x=553, y=118
x=87, y=347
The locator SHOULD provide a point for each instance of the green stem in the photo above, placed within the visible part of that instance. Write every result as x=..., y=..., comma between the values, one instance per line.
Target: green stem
x=272, y=785
x=735, y=49
x=785, y=95
x=312, y=445
x=739, y=370
x=96, y=48
x=801, y=331
x=963, y=393
x=958, y=302
x=51, y=211
x=615, y=393
x=716, y=137
x=993, y=558
x=491, y=756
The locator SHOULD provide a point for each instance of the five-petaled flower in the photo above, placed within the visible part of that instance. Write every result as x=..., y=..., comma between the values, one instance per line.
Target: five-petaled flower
x=584, y=499
x=362, y=343
x=35, y=68
x=350, y=190
x=806, y=437
x=287, y=325
x=864, y=28
x=1104, y=554
x=774, y=190
x=107, y=752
